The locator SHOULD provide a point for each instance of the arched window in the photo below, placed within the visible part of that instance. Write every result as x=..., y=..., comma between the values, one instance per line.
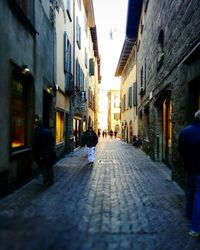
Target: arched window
x=160, y=50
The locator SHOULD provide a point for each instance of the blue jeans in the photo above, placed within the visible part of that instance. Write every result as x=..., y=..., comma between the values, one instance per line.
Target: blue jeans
x=193, y=202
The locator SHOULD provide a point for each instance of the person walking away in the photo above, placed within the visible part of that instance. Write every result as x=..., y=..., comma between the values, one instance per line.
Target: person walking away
x=43, y=151
x=106, y=133
x=99, y=133
x=91, y=140
x=111, y=134
x=115, y=133
x=189, y=149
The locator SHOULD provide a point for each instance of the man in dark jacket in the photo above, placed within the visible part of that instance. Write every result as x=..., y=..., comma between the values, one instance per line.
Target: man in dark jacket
x=189, y=148
x=43, y=152
x=90, y=140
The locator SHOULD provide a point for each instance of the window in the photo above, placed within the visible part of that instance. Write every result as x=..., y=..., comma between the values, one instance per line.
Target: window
x=116, y=116
x=68, y=63
x=21, y=109
x=160, y=50
x=134, y=94
x=69, y=9
x=59, y=127
x=130, y=97
x=116, y=104
x=78, y=33
x=67, y=54
x=142, y=86
x=80, y=78
x=18, y=114
x=77, y=74
x=124, y=102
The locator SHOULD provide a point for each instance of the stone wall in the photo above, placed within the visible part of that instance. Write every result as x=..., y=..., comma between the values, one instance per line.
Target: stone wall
x=179, y=21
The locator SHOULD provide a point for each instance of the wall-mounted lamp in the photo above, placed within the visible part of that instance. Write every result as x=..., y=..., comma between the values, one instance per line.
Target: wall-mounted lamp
x=25, y=69
x=52, y=89
x=49, y=89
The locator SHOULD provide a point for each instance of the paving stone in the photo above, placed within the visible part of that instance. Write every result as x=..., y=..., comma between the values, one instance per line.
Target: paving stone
x=125, y=201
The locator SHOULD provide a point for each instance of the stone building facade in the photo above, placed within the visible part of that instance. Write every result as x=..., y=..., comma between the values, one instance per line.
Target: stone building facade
x=45, y=47
x=27, y=73
x=168, y=76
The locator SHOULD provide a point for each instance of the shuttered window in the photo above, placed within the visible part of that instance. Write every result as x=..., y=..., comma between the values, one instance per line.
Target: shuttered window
x=80, y=77
x=124, y=102
x=68, y=63
x=134, y=94
x=130, y=97
x=78, y=33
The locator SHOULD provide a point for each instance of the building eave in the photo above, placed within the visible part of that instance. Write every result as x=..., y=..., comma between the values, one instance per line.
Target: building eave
x=89, y=9
x=133, y=18
x=88, y=4
x=126, y=50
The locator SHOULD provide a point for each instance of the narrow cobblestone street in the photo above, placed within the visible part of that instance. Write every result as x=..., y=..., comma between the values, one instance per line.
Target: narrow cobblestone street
x=125, y=201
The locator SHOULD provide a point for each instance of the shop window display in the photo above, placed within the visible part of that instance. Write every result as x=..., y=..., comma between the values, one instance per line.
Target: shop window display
x=59, y=127
x=18, y=114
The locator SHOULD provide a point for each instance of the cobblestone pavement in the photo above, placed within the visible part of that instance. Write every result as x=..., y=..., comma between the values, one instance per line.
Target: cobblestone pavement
x=125, y=201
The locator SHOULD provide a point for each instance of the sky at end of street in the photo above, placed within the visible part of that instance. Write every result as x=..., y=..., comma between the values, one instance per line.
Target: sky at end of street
x=110, y=18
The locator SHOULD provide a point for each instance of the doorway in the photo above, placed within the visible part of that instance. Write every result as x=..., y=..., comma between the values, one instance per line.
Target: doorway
x=167, y=131
x=77, y=131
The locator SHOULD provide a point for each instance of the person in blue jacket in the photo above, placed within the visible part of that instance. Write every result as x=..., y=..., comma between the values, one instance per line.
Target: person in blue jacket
x=189, y=149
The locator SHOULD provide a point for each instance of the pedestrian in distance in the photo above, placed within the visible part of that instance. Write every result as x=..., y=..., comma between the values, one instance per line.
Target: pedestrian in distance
x=43, y=151
x=111, y=134
x=99, y=133
x=90, y=140
x=189, y=148
x=106, y=133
